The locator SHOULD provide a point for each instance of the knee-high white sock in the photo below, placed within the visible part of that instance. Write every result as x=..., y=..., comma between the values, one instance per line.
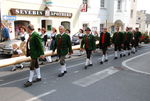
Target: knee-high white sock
x=133, y=49
x=103, y=57
x=124, y=52
x=91, y=60
x=31, y=75
x=87, y=62
x=61, y=69
x=106, y=57
x=64, y=68
x=116, y=54
x=38, y=73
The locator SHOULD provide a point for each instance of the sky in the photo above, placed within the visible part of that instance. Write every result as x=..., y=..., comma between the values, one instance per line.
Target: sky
x=143, y=5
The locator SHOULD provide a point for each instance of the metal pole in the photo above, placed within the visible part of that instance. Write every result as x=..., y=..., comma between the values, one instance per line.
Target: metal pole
x=106, y=23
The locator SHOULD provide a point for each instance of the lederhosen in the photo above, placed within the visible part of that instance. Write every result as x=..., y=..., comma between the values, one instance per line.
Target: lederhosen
x=126, y=41
x=117, y=41
x=88, y=52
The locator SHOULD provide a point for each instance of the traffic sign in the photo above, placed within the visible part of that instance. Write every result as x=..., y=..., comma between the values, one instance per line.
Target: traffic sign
x=10, y=18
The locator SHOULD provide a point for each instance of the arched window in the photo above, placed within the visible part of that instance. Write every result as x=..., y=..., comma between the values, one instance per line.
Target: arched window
x=66, y=24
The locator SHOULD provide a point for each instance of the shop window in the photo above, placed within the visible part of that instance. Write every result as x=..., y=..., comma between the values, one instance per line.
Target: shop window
x=66, y=24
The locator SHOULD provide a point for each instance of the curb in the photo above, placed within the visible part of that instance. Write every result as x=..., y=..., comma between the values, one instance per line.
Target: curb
x=124, y=64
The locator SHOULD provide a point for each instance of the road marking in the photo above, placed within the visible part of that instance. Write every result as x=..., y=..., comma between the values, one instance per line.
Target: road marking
x=13, y=81
x=76, y=65
x=89, y=80
x=76, y=71
x=34, y=76
x=67, y=67
x=42, y=95
x=124, y=63
x=108, y=56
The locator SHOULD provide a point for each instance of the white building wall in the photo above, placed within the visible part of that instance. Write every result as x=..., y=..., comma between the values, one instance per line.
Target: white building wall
x=91, y=17
x=72, y=6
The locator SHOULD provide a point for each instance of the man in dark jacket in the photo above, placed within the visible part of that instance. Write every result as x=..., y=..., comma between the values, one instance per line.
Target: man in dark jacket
x=104, y=43
x=138, y=35
x=117, y=40
x=35, y=50
x=127, y=41
x=88, y=43
x=63, y=45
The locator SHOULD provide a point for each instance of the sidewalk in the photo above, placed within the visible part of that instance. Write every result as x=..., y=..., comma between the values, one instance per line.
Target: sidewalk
x=140, y=63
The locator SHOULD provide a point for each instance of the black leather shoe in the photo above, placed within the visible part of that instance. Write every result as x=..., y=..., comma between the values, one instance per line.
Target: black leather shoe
x=101, y=62
x=128, y=54
x=116, y=58
x=90, y=65
x=106, y=60
x=65, y=72
x=37, y=80
x=61, y=74
x=27, y=84
x=85, y=67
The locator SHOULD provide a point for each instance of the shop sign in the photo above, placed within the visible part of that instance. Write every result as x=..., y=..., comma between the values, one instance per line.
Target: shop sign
x=40, y=13
x=84, y=8
x=26, y=12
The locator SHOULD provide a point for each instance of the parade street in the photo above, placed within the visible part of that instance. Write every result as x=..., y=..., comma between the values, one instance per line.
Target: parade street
x=111, y=81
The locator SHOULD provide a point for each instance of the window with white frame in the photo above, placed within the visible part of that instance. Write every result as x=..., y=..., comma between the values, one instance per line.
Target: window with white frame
x=102, y=4
x=85, y=1
x=131, y=15
x=119, y=4
x=101, y=27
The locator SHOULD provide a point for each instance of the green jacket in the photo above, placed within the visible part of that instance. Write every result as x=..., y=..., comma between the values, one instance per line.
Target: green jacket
x=91, y=42
x=36, y=47
x=137, y=35
x=107, y=40
x=128, y=37
x=117, y=38
x=64, y=46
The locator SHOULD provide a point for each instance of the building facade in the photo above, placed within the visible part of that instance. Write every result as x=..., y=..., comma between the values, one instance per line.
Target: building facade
x=109, y=13
x=73, y=14
x=143, y=21
x=42, y=13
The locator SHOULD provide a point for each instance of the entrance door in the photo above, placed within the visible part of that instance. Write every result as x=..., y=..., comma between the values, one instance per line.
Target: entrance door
x=43, y=23
x=18, y=24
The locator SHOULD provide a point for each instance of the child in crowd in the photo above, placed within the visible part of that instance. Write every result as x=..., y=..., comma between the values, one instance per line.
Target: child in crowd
x=17, y=52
